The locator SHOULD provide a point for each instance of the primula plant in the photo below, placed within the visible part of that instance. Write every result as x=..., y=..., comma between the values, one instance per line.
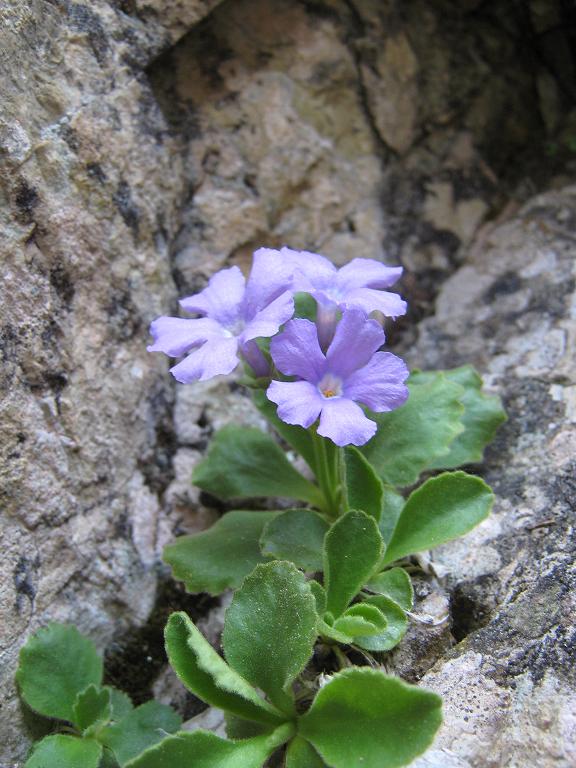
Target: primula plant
x=322, y=583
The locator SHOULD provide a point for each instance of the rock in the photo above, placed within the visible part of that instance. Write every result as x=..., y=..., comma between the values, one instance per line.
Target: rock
x=508, y=685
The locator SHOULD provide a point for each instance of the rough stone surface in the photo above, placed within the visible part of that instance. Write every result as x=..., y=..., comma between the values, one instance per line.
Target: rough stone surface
x=509, y=685
x=145, y=143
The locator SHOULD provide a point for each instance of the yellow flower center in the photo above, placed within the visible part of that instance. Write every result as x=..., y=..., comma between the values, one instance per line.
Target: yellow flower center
x=329, y=393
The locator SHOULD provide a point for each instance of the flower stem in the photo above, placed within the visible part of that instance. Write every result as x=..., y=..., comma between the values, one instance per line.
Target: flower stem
x=328, y=473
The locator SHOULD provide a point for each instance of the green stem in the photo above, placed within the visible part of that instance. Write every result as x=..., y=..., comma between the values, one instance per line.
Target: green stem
x=328, y=474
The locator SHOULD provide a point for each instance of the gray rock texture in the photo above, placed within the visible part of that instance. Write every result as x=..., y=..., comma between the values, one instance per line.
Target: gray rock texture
x=146, y=143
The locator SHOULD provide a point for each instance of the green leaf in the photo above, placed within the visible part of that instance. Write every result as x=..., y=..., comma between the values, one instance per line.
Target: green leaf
x=364, y=719
x=395, y=584
x=396, y=624
x=410, y=438
x=120, y=701
x=243, y=462
x=201, y=749
x=360, y=619
x=92, y=707
x=297, y=437
x=237, y=728
x=207, y=675
x=141, y=728
x=301, y=754
x=221, y=557
x=56, y=664
x=270, y=629
x=62, y=751
x=442, y=509
x=483, y=415
x=319, y=595
x=352, y=549
x=364, y=488
x=296, y=535
x=392, y=505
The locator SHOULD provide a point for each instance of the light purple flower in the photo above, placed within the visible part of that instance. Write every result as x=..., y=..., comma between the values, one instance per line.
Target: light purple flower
x=330, y=386
x=357, y=285
x=235, y=312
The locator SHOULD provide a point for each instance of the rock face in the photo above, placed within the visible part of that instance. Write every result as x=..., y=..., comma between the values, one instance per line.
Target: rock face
x=146, y=144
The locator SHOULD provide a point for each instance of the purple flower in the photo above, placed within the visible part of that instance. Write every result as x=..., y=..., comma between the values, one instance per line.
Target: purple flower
x=235, y=313
x=331, y=385
x=357, y=285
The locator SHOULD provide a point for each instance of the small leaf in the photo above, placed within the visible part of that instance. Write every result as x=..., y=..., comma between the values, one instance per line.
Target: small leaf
x=442, y=509
x=207, y=675
x=482, y=416
x=301, y=754
x=364, y=719
x=297, y=437
x=396, y=585
x=360, y=619
x=201, y=749
x=92, y=707
x=121, y=703
x=364, y=489
x=296, y=535
x=319, y=595
x=411, y=437
x=60, y=751
x=141, y=728
x=243, y=462
x=237, y=728
x=352, y=549
x=392, y=505
x=395, y=621
x=56, y=664
x=270, y=629
x=221, y=557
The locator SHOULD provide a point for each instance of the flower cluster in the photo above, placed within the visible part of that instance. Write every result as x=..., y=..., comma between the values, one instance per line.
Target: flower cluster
x=322, y=370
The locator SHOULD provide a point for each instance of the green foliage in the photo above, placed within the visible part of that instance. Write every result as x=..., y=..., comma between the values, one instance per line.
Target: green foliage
x=392, y=505
x=364, y=488
x=395, y=625
x=352, y=550
x=270, y=629
x=56, y=664
x=243, y=462
x=412, y=437
x=483, y=414
x=301, y=754
x=205, y=750
x=222, y=556
x=394, y=584
x=296, y=535
x=92, y=708
x=60, y=659
x=364, y=719
x=207, y=675
x=62, y=751
x=442, y=509
x=140, y=729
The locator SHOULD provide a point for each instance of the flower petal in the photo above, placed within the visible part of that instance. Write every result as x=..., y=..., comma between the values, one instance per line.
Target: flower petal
x=369, y=299
x=214, y=358
x=380, y=384
x=270, y=276
x=367, y=273
x=345, y=423
x=355, y=341
x=267, y=321
x=296, y=351
x=176, y=335
x=221, y=299
x=311, y=270
x=299, y=402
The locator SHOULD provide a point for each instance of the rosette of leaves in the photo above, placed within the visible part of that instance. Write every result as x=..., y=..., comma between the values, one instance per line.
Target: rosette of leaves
x=446, y=423
x=60, y=677
x=357, y=718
